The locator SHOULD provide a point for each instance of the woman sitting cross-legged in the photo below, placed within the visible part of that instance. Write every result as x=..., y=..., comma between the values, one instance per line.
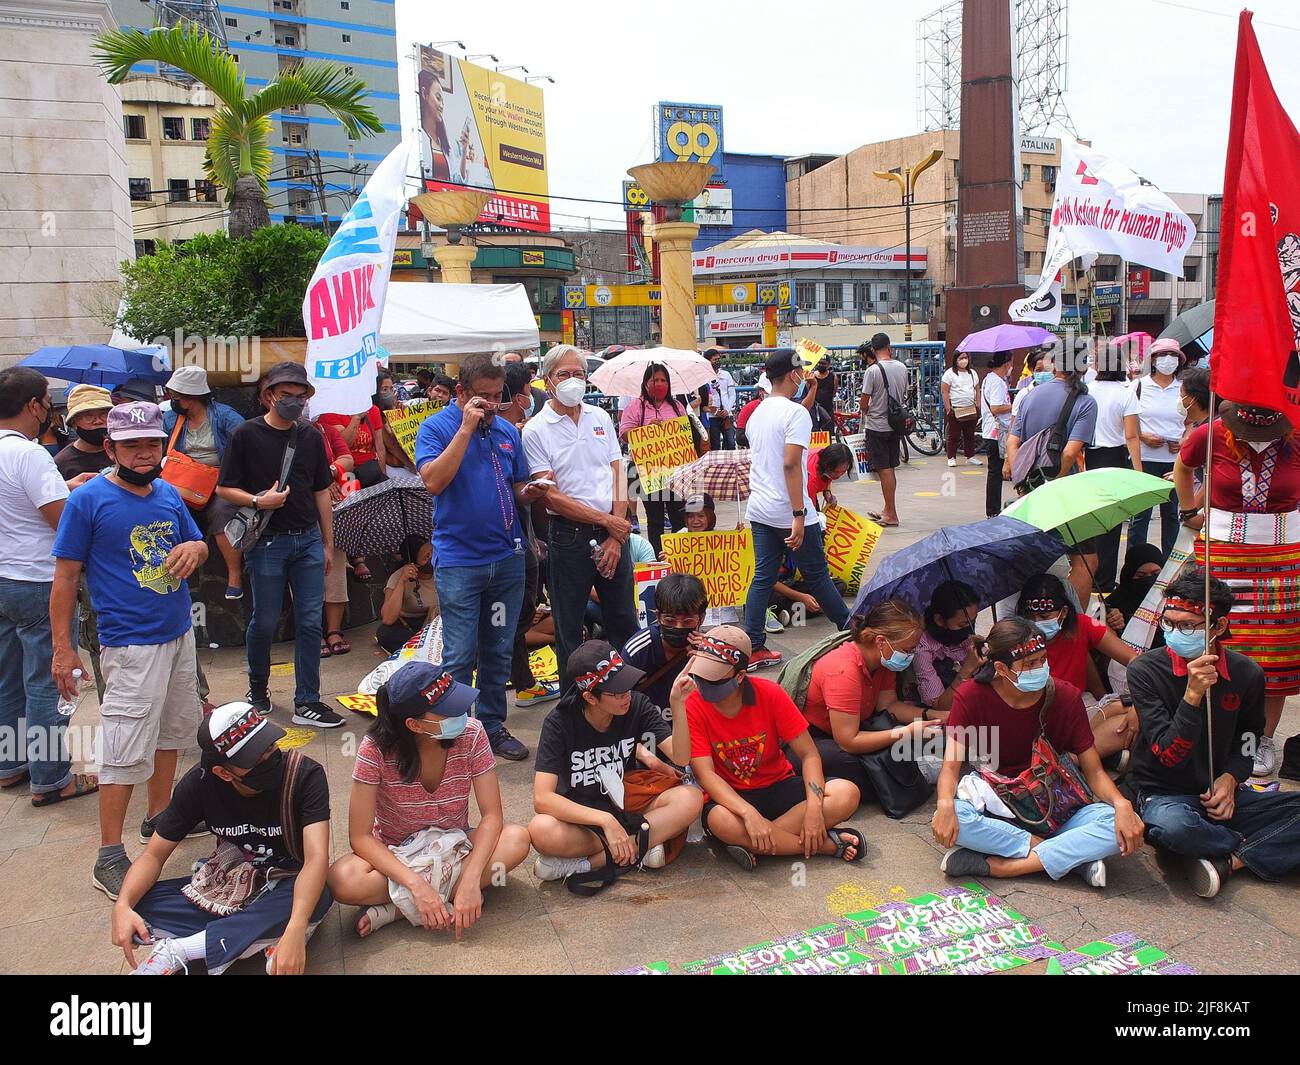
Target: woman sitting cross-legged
x=757, y=803
x=597, y=734
x=408, y=819
x=997, y=717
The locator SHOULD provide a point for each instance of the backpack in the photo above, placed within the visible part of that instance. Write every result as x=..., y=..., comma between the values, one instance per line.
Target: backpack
x=797, y=672
x=1038, y=459
x=900, y=418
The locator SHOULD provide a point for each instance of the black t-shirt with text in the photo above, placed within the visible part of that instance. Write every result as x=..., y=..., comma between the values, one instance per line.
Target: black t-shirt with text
x=252, y=462
x=73, y=462
x=252, y=823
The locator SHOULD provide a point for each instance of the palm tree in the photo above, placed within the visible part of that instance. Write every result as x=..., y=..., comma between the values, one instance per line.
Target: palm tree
x=239, y=156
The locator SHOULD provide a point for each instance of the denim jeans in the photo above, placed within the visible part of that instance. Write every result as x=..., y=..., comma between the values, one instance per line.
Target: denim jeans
x=1169, y=524
x=30, y=723
x=769, y=551
x=480, y=608
x=1263, y=831
x=570, y=578
x=721, y=439
x=1085, y=837
x=299, y=560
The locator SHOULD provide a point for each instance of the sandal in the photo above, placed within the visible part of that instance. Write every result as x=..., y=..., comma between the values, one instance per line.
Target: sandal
x=361, y=571
x=842, y=846
x=743, y=857
x=880, y=520
x=83, y=784
x=339, y=646
x=13, y=782
x=325, y=651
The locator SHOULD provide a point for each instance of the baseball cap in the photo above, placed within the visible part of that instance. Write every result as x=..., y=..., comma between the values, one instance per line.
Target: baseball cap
x=86, y=398
x=235, y=733
x=763, y=383
x=596, y=663
x=696, y=503
x=422, y=687
x=135, y=421
x=780, y=363
x=189, y=381
x=288, y=373
x=719, y=652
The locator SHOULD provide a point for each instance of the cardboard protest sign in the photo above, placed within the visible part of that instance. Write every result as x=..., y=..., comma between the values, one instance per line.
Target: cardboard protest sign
x=820, y=440
x=850, y=540
x=543, y=665
x=723, y=560
x=361, y=704
x=405, y=422
x=660, y=449
x=645, y=578
x=809, y=353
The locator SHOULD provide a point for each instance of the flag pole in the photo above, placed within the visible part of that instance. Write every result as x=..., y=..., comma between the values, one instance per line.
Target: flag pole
x=1209, y=613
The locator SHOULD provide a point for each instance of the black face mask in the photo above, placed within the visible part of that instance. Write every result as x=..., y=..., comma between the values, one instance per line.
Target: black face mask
x=674, y=636
x=138, y=478
x=45, y=425
x=94, y=437
x=290, y=408
x=950, y=637
x=266, y=776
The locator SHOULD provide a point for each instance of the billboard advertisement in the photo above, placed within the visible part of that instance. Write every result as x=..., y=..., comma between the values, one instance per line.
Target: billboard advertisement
x=689, y=133
x=484, y=130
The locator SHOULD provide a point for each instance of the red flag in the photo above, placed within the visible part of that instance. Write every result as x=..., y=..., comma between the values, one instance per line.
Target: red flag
x=1257, y=310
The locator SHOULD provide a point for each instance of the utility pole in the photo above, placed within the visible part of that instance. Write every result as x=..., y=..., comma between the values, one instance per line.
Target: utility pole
x=906, y=181
x=318, y=180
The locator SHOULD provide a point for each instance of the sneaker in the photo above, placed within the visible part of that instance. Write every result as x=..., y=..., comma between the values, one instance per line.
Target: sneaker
x=783, y=616
x=109, y=874
x=952, y=462
x=507, y=746
x=958, y=861
x=317, y=714
x=164, y=960
x=654, y=858
x=762, y=658
x=1207, y=875
x=1266, y=758
x=147, y=830
x=541, y=692
x=548, y=868
x=773, y=623
x=1093, y=873
x=974, y=462
x=259, y=699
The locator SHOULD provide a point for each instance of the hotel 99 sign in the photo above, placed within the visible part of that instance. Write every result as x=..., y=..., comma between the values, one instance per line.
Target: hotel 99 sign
x=689, y=133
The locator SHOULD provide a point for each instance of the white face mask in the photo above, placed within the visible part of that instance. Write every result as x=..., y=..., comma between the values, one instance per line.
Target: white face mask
x=1167, y=364
x=570, y=392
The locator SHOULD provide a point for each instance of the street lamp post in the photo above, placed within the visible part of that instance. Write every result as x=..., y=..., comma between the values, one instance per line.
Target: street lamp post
x=906, y=182
x=452, y=209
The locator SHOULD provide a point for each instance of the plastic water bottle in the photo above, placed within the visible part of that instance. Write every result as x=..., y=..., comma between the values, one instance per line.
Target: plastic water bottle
x=68, y=706
x=597, y=553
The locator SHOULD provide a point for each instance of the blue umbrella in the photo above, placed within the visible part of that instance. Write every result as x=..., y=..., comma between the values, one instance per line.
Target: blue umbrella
x=995, y=557
x=100, y=364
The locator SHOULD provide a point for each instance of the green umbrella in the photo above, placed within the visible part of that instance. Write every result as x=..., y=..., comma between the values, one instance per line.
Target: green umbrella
x=1084, y=505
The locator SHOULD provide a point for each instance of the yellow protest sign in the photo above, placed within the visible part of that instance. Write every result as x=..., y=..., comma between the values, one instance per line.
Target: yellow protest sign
x=361, y=704
x=660, y=449
x=405, y=422
x=808, y=353
x=724, y=561
x=850, y=539
x=543, y=664
x=820, y=440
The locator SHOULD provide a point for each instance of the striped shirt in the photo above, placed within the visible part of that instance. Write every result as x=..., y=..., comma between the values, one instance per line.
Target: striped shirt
x=402, y=809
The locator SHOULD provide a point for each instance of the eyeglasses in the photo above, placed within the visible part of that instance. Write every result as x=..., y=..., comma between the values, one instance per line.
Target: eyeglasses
x=1187, y=628
x=566, y=375
x=680, y=621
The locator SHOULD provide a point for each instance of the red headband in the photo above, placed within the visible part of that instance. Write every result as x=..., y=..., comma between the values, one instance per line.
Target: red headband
x=1042, y=605
x=1192, y=606
x=723, y=652
x=1032, y=645
x=603, y=671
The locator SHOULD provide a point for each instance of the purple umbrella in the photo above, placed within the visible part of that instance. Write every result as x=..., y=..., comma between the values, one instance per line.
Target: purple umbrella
x=1006, y=338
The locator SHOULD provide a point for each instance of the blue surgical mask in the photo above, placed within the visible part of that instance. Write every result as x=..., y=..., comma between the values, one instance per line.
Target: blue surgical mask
x=1034, y=680
x=803, y=387
x=897, y=661
x=451, y=727
x=1186, y=645
x=1050, y=629
x=1041, y=377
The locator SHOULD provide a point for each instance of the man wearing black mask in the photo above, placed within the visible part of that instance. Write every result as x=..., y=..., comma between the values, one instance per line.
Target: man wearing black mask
x=87, y=416
x=660, y=650
x=272, y=894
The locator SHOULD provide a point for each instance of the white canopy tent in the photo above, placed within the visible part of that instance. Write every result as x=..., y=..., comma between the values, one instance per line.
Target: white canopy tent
x=423, y=321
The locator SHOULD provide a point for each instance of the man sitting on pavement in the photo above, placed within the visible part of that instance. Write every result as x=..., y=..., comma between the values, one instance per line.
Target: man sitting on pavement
x=659, y=651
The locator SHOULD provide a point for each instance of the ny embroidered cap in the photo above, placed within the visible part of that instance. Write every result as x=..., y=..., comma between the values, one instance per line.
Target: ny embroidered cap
x=238, y=735
x=135, y=421
x=719, y=653
x=597, y=664
x=422, y=687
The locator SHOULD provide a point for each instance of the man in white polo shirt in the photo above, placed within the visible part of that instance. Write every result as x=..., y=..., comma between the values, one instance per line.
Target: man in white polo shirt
x=576, y=446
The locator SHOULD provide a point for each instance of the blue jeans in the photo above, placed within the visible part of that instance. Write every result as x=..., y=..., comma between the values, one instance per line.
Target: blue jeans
x=1085, y=837
x=571, y=575
x=1169, y=523
x=298, y=559
x=480, y=609
x=769, y=551
x=1263, y=831
x=30, y=723
x=721, y=439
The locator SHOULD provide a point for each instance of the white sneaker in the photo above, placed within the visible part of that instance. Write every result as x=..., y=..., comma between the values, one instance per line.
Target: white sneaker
x=771, y=624
x=1094, y=873
x=952, y=462
x=549, y=868
x=654, y=858
x=1266, y=758
x=974, y=462
x=164, y=960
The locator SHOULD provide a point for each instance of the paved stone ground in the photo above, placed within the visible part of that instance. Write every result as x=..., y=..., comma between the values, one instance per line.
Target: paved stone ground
x=53, y=921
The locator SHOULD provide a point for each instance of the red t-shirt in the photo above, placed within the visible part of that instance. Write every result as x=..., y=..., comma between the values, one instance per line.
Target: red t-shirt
x=746, y=749
x=1068, y=654
x=842, y=683
x=816, y=482
x=1013, y=731
x=1225, y=494
x=742, y=418
x=363, y=446
x=335, y=446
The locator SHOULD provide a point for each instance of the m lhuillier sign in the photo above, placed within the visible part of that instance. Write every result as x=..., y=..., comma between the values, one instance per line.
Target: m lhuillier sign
x=1104, y=208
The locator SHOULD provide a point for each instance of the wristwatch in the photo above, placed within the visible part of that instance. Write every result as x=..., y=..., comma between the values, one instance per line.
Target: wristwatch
x=798, y=513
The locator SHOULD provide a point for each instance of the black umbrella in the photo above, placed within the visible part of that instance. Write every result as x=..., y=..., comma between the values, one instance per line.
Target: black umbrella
x=1190, y=326
x=375, y=520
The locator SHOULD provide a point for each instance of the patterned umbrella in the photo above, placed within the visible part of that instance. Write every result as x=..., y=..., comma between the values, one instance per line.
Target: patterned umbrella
x=622, y=375
x=375, y=520
x=723, y=474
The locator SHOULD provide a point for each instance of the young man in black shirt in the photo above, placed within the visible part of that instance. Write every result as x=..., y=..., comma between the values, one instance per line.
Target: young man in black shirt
x=297, y=545
x=275, y=893
x=659, y=651
x=1217, y=827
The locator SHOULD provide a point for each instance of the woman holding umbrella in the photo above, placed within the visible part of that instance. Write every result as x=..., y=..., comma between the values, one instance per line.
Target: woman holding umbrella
x=655, y=404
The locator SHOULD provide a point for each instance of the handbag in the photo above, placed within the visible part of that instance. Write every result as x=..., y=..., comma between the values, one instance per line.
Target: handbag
x=1050, y=791
x=899, y=785
x=900, y=418
x=193, y=480
x=962, y=413
x=246, y=527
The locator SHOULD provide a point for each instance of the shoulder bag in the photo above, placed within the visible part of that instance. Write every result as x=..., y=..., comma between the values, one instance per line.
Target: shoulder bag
x=193, y=480
x=1038, y=459
x=898, y=783
x=901, y=419
x=246, y=527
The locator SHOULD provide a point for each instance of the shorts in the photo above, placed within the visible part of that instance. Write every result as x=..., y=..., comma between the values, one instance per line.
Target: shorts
x=883, y=449
x=151, y=703
x=1083, y=547
x=771, y=801
x=336, y=581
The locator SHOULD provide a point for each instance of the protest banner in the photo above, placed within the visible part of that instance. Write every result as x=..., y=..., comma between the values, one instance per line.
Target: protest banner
x=850, y=539
x=645, y=578
x=724, y=561
x=1123, y=954
x=660, y=449
x=405, y=422
x=820, y=440
x=808, y=353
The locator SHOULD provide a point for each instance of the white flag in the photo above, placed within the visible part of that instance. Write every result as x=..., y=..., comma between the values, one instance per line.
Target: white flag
x=1104, y=208
x=345, y=300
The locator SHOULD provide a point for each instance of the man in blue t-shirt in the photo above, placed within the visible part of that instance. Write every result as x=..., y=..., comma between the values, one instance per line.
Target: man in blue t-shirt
x=472, y=462
x=135, y=538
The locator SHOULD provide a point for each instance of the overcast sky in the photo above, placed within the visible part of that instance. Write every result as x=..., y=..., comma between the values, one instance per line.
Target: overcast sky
x=1149, y=82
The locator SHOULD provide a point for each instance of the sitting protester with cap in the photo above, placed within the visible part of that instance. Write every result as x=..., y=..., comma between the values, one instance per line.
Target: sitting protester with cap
x=408, y=819
x=757, y=803
x=263, y=888
x=87, y=417
x=592, y=744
